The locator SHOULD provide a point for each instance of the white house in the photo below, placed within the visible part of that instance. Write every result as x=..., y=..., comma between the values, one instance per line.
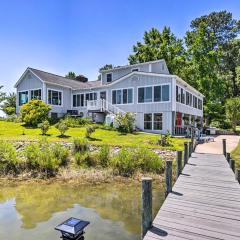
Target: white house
x=162, y=102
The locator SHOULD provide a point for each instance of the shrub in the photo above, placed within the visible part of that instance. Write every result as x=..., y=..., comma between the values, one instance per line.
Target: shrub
x=34, y=112
x=80, y=145
x=62, y=127
x=148, y=161
x=44, y=126
x=165, y=140
x=41, y=156
x=77, y=122
x=8, y=157
x=123, y=162
x=89, y=131
x=85, y=159
x=104, y=155
x=125, y=122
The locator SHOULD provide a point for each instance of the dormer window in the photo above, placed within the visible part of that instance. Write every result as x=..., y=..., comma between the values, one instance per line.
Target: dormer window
x=135, y=70
x=109, y=77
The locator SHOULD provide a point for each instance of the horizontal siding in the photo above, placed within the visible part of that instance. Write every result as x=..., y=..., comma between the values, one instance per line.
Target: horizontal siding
x=188, y=110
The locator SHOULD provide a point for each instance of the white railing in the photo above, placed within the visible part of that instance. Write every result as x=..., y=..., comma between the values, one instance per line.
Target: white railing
x=103, y=106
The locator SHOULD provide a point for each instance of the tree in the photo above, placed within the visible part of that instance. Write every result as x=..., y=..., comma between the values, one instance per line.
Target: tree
x=233, y=111
x=44, y=126
x=71, y=75
x=160, y=45
x=9, y=104
x=2, y=95
x=34, y=112
x=62, y=127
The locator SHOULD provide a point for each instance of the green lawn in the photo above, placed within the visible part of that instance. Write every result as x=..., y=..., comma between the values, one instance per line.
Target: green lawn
x=235, y=154
x=17, y=132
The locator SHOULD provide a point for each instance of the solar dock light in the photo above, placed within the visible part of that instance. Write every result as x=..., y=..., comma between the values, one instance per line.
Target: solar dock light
x=72, y=229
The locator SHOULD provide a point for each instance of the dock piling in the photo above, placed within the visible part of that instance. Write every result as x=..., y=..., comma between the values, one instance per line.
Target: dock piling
x=179, y=163
x=146, y=205
x=237, y=175
x=168, y=177
x=232, y=164
x=228, y=157
x=224, y=147
x=185, y=153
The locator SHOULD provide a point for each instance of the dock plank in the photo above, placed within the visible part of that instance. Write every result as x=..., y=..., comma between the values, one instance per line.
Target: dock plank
x=204, y=204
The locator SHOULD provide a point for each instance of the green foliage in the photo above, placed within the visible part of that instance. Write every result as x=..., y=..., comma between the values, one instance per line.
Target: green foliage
x=233, y=111
x=86, y=159
x=89, y=131
x=128, y=161
x=71, y=75
x=44, y=126
x=9, y=104
x=125, y=122
x=165, y=140
x=104, y=155
x=2, y=94
x=80, y=145
x=77, y=122
x=62, y=127
x=34, y=112
x=160, y=45
x=45, y=158
x=8, y=158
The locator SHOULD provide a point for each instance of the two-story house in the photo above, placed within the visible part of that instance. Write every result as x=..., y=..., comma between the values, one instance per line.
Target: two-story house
x=161, y=102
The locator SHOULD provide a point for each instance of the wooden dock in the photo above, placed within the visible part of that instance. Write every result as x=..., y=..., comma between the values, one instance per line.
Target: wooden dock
x=204, y=203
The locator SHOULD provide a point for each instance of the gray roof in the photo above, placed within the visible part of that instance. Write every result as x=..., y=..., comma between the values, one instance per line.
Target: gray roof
x=63, y=81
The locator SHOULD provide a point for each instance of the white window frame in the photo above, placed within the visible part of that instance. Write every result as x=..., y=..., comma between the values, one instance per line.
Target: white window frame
x=115, y=89
x=80, y=100
x=111, y=75
x=52, y=89
x=18, y=97
x=85, y=100
x=153, y=121
x=155, y=85
x=33, y=89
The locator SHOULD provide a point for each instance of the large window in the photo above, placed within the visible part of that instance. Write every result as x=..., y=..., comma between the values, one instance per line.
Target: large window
x=182, y=96
x=55, y=97
x=23, y=97
x=199, y=104
x=36, y=94
x=78, y=100
x=122, y=96
x=159, y=93
x=109, y=77
x=153, y=121
x=194, y=102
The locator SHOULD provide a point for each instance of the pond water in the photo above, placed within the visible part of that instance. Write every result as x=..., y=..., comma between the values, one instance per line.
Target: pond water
x=31, y=211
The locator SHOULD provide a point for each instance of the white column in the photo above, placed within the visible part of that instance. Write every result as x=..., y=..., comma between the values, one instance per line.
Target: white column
x=44, y=94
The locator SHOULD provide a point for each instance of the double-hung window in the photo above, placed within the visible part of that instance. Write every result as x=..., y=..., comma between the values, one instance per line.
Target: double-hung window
x=122, y=96
x=144, y=94
x=22, y=97
x=109, y=77
x=54, y=97
x=199, y=104
x=153, y=121
x=78, y=100
x=36, y=94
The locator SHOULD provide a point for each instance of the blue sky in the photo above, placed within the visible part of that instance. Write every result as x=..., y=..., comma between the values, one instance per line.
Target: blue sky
x=81, y=36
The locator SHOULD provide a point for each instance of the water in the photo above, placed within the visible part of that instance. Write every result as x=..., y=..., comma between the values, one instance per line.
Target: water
x=31, y=211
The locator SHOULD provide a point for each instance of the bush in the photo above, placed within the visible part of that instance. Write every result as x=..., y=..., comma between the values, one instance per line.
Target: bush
x=80, y=145
x=85, y=159
x=44, y=126
x=62, y=127
x=34, y=112
x=77, y=122
x=165, y=140
x=123, y=162
x=41, y=156
x=104, y=155
x=8, y=158
x=89, y=131
x=125, y=122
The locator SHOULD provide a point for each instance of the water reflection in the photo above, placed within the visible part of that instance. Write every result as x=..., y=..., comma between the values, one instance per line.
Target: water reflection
x=30, y=211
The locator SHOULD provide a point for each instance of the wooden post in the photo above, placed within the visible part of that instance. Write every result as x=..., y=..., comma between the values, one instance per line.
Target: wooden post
x=228, y=157
x=190, y=149
x=168, y=177
x=146, y=205
x=232, y=164
x=224, y=147
x=185, y=153
x=237, y=175
x=179, y=163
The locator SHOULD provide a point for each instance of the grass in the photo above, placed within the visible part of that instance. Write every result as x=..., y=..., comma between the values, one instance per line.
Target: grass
x=18, y=132
x=235, y=154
